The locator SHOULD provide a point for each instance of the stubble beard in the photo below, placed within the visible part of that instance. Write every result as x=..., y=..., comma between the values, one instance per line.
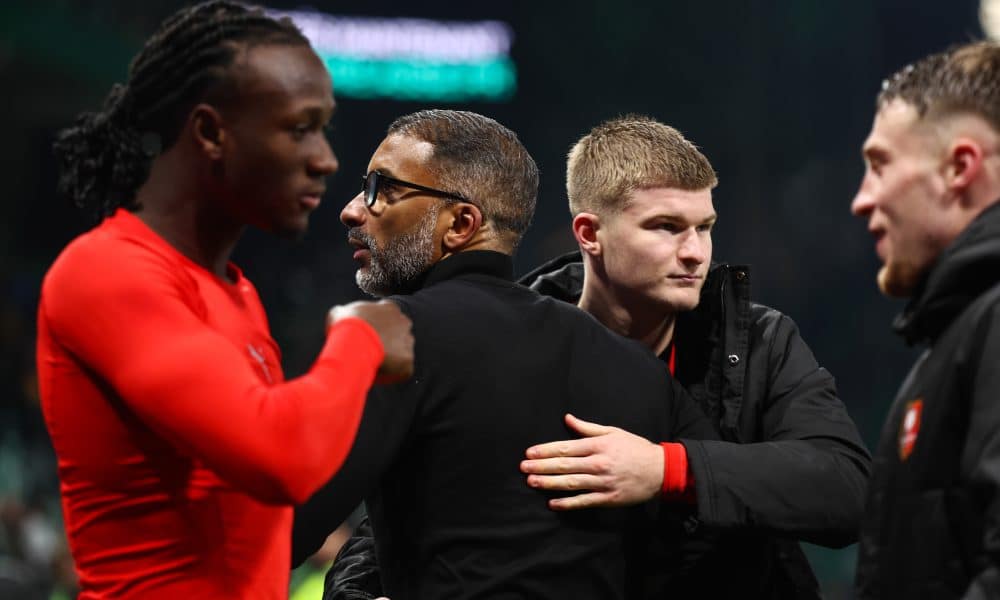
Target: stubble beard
x=395, y=268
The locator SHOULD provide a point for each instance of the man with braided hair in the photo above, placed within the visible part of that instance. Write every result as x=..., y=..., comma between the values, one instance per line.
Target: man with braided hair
x=181, y=450
x=931, y=198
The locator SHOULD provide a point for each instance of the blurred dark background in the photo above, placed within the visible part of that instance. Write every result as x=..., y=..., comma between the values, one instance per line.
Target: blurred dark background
x=778, y=94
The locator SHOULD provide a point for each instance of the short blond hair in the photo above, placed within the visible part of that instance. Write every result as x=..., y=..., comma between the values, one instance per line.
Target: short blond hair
x=629, y=153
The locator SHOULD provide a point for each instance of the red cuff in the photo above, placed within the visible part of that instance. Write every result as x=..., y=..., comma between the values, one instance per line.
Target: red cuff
x=678, y=481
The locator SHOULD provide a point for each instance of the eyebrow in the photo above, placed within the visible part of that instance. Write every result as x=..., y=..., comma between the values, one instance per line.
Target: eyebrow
x=678, y=219
x=314, y=111
x=386, y=172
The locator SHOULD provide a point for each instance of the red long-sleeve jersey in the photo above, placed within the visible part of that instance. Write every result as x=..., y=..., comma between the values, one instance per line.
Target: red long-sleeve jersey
x=180, y=447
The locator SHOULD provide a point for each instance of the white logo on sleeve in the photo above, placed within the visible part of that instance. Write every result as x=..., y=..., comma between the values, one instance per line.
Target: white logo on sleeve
x=258, y=355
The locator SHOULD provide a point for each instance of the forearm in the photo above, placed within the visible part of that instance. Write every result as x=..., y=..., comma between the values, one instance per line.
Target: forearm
x=215, y=393
x=803, y=469
x=277, y=442
x=197, y=389
x=811, y=490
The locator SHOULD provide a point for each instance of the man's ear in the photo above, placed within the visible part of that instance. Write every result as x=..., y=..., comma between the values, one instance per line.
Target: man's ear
x=585, y=228
x=466, y=219
x=206, y=126
x=964, y=163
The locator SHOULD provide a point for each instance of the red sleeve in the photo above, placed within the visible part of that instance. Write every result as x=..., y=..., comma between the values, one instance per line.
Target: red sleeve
x=125, y=315
x=678, y=481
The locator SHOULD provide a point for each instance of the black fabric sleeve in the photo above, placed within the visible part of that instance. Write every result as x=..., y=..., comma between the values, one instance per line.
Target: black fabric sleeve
x=355, y=573
x=687, y=420
x=806, y=477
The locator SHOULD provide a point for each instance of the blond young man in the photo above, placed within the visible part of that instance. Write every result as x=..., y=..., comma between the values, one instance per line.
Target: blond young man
x=791, y=465
x=930, y=197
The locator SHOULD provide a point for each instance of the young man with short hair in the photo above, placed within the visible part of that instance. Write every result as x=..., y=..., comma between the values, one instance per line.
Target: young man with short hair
x=790, y=464
x=930, y=196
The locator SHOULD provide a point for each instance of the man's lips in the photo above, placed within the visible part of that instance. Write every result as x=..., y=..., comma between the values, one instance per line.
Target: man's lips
x=880, y=245
x=880, y=242
x=311, y=199
x=361, y=249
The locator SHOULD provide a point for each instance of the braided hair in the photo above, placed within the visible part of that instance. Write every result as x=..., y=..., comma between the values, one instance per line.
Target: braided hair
x=105, y=156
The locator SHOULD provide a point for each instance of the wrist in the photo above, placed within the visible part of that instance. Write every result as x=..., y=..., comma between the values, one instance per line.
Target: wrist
x=676, y=481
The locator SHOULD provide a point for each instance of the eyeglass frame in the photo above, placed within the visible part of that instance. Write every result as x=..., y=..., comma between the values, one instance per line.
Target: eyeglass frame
x=371, y=182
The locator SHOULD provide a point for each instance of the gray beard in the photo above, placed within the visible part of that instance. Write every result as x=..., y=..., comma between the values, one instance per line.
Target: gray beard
x=394, y=268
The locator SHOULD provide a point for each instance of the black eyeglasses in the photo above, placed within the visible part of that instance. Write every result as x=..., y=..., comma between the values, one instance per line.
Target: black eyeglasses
x=371, y=183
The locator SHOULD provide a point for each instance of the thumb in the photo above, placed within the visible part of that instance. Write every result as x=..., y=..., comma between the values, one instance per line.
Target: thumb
x=586, y=428
x=337, y=313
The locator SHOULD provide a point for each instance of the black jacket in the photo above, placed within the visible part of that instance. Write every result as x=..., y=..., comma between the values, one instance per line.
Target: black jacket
x=932, y=524
x=497, y=366
x=792, y=466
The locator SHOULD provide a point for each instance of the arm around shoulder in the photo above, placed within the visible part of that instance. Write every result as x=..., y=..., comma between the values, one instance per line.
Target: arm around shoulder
x=802, y=468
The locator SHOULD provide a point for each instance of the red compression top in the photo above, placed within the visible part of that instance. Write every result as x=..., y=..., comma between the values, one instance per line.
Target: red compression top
x=180, y=448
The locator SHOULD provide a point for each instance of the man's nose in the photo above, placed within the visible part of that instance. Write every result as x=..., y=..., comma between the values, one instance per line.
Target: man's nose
x=354, y=213
x=692, y=248
x=324, y=162
x=862, y=205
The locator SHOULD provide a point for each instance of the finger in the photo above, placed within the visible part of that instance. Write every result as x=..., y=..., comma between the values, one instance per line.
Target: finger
x=567, y=483
x=563, y=465
x=343, y=311
x=582, y=447
x=590, y=500
x=587, y=428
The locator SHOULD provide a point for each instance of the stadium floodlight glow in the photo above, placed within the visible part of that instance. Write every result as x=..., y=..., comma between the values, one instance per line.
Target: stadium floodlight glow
x=989, y=18
x=412, y=59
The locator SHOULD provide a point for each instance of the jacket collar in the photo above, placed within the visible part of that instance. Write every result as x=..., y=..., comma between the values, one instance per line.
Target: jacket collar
x=561, y=278
x=709, y=337
x=473, y=262
x=966, y=269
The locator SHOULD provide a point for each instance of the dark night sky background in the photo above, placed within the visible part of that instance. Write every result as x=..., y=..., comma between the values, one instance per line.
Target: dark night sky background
x=779, y=94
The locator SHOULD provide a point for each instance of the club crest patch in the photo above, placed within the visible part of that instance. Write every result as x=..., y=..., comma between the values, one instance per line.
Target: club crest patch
x=910, y=427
